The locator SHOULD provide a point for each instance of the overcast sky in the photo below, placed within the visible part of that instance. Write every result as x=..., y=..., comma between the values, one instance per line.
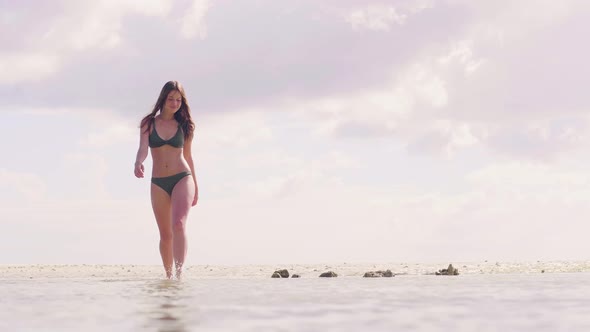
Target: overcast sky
x=327, y=131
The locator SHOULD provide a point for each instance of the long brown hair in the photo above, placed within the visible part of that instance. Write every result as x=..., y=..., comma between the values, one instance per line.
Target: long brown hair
x=182, y=116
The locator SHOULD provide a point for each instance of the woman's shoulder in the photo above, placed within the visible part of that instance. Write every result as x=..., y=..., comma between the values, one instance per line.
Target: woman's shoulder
x=147, y=122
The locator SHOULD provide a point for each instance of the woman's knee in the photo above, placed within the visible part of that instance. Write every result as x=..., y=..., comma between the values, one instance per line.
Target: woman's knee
x=166, y=236
x=178, y=226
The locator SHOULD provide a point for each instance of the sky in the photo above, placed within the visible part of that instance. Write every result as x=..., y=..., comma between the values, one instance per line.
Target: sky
x=326, y=130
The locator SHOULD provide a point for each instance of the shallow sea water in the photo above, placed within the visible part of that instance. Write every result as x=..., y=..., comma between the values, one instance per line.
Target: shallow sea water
x=487, y=302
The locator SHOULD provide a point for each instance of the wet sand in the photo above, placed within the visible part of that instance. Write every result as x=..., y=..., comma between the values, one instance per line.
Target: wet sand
x=304, y=270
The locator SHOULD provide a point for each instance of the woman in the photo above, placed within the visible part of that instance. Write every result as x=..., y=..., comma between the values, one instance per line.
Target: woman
x=168, y=131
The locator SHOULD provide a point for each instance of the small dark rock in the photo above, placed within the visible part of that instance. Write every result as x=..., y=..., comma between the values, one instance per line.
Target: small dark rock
x=387, y=273
x=280, y=274
x=328, y=274
x=295, y=276
x=449, y=271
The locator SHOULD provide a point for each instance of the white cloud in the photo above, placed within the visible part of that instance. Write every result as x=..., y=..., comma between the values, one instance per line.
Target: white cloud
x=416, y=6
x=98, y=116
x=193, y=21
x=425, y=85
x=298, y=175
x=48, y=230
x=30, y=186
x=387, y=110
x=145, y=7
x=98, y=24
x=515, y=20
x=532, y=177
x=86, y=174
x=113, y=134
x=462, y=135
x=462, y=52
x=237, y=129
x=375, y=17
x=466, y=91
x=543, y=138
x=271, y=158
x=78, y=26
x=27, y=67
x=444, y=138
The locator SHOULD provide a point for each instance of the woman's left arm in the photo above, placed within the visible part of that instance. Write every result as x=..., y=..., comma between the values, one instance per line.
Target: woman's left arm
x=188, y=156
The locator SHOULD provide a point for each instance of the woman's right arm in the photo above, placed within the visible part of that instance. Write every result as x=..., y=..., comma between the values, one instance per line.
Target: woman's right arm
x=142, y=152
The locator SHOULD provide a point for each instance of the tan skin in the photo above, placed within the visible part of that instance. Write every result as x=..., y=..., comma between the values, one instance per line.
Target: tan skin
x=171, y=212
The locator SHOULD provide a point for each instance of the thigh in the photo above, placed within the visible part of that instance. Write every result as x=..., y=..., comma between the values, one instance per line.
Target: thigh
x=182, y=198
x=162, y=209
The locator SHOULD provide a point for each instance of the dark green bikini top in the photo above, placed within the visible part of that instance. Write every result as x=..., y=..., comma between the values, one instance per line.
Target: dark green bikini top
x=155, y=141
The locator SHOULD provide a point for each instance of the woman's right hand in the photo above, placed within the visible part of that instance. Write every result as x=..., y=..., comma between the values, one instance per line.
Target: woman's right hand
x=139, y=170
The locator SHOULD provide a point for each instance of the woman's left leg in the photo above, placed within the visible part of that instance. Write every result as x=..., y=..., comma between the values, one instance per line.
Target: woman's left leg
x=181, y=201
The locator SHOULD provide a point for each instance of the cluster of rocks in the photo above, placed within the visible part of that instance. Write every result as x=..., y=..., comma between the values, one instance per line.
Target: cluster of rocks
x=283, y=274
x=332, y=274
x=449, y=271
x=379, y=274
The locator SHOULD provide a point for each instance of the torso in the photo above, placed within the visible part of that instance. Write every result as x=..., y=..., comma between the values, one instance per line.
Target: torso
x=167, y=160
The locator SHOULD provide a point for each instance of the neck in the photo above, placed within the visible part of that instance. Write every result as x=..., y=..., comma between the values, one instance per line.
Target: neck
x=166, y=115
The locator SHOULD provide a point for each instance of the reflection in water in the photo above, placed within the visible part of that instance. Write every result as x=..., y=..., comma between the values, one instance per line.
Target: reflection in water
x=167, y=310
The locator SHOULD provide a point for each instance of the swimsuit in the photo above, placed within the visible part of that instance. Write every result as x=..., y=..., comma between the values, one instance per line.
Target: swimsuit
x=155, y=141
x=168, y=182
x=177, y=141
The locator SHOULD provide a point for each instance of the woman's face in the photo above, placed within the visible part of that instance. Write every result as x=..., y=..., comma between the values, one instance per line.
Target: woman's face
x=173, y=101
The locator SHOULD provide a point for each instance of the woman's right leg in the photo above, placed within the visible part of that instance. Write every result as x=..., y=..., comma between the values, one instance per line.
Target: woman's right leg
x=182, y=198
x=162, y=211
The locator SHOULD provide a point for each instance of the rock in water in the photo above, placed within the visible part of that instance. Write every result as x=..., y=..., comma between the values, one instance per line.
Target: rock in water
x=387, y=273
x=449, y=271
x=280, y=274
x=328, y=274
x=295, y=276
x=378, y=274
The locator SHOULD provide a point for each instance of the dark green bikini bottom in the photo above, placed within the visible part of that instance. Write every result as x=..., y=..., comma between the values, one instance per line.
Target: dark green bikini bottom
x=168, y=182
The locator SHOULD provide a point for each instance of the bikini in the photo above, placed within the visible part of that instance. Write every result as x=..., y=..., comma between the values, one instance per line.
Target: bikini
x=177, y=141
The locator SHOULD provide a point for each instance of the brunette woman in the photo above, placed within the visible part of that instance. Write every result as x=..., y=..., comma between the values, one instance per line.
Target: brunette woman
x=168, y=133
